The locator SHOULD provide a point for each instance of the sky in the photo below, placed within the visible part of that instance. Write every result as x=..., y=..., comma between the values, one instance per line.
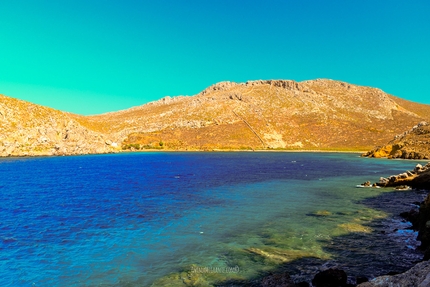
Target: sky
x=91, y=57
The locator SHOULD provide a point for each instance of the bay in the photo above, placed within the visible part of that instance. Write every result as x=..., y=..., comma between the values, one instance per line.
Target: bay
x=140, y=219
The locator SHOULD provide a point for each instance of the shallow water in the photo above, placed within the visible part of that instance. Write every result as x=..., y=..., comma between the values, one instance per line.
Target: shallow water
x=135, y=219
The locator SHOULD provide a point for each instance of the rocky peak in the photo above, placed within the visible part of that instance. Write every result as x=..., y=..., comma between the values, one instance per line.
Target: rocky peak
x=221, y=86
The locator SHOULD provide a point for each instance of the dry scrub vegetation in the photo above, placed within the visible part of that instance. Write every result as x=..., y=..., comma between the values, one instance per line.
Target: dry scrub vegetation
x=256, y=115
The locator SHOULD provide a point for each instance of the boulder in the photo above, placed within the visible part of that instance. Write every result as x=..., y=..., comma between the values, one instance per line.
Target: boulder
x=417, y=276
x=367, y=183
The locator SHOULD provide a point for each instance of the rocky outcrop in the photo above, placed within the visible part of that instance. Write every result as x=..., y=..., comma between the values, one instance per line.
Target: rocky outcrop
x=417, y=276
x=423, y=223
x=419, y=177
x=412, y=144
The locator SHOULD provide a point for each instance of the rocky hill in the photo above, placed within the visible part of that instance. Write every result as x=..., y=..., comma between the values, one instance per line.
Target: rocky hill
x=412, y=144
x=272, y=114
x=28, y=129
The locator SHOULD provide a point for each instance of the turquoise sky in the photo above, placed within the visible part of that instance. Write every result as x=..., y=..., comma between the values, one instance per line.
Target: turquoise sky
x=91, y=57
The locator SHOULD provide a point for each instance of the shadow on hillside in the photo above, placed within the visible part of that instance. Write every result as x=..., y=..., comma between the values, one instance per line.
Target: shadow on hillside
x=389, y=248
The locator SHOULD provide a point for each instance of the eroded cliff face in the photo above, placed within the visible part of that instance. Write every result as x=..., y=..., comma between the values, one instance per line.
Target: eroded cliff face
x=272, y=114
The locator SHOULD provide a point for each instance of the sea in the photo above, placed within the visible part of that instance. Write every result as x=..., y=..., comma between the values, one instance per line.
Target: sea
x=208, y=218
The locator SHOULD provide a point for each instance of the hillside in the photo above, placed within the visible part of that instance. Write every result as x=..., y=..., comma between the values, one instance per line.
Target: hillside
x=310, y=115
x=412, y=144
x=273, y=114
x=29, y=129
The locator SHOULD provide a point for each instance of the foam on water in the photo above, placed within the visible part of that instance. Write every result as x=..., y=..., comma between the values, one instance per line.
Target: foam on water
x=131, y=219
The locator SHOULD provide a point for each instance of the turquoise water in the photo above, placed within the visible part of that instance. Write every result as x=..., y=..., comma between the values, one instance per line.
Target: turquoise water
x=145, y=219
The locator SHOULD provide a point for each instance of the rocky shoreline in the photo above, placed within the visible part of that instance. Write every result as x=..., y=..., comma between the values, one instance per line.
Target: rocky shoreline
x=335, y=274
x=418, y=275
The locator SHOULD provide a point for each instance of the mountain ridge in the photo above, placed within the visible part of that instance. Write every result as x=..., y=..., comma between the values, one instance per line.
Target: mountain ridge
x=255, y=115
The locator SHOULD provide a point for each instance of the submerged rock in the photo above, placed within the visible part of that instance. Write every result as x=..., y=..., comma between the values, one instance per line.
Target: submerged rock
x=280, y=255
x=355, y=227
x=278, y=280
x=320, y=213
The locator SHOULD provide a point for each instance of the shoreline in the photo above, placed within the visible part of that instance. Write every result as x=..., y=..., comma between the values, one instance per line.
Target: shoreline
x=185, y=151
x=419, y=273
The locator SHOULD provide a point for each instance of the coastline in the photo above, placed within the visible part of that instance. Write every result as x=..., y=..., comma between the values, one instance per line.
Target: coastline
x=419, y=273
x=277, y=277
x=184, y=150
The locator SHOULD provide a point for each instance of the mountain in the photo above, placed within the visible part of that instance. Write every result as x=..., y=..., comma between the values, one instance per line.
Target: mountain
x=256, y=115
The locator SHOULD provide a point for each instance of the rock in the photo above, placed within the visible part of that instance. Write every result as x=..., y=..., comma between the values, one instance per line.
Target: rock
x=355, y=227
x=418, y=168
x=423, y=230
x=418, y=178
x=403, y=187
x=278, y=280
x=383, y=181
x=412, y=216
x=320, y=213
x=412, y=144
x=279, y=255
x=417, y=276
x=330, y=278
x=367, y=183
x=403, y=175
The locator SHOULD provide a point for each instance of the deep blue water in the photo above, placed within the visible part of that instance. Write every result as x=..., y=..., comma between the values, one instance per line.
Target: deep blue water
x=129, y=219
